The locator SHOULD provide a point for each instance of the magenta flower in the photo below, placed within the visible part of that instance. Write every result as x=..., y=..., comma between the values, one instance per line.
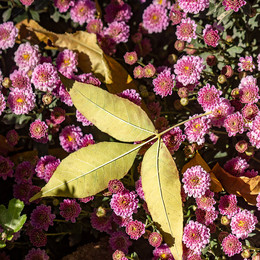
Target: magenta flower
x=248, y=90
x=234, y=124
x=120, y=221
x=258, y=201
x=24, y=171
x=61, y=92
x=193, y=6
x=88, y=78
x=228, y=205
x=38, y=130
x=155, y=239
x=231, y=245
x=206, y=217
x=117, y=11
x=139, y=188
x=95, y=26
x=135, y=229
x=163, y=252
x=6, y=167
x=149, y=70
x=102, y=223
x=22, y=190
x=57, y=115
x=8, y=34
x=37, y=237
x=210, y=36
x=64, y=5
x=12, y=137
x=67, y=62
x=206, y=202
x=132, y=95
x=70, y=209
x=120, y=241
x=36, y=254
x=130, y=57
x=246, y=64
x=2, y=103
x=186, y=30
x=233, y=4
x=20, y=80
x=27, y=2
x=117, y=31
x=115, y=186
x=83, y=119
x=236, y=166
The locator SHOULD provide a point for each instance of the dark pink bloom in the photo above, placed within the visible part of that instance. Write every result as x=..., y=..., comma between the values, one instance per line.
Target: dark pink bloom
x=132, y=95
x=135, y=229
x=155, y=239
x=163, y=252
x=24, y=171
x=186, y=30
x=8, y=34
x=102, y=222
x=6, y=167
x=27, y=2
x=120, y=241
x=233, y=4
x=193, y=6
x=231, y=245
x=34, y=254
x=115, y=186
x=210, y=36
x=228, y=205
x=70, y=210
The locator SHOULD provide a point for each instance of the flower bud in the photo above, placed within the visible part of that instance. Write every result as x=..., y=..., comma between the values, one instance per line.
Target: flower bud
x=101, y=212
x=229, y=39
x=184, y=101
x=227, y=71
x=55, y=202
x=246, y=254
x=47, y=99
x=222, y=79
x=179, y=45
x=235, y=93
x=183, y=92
x=225, y=220
x=211, y=60
x=241, y=146
x=6, y=83
x=172, y=58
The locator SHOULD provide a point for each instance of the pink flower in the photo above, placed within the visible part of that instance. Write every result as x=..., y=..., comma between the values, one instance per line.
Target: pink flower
x=155, y=239
x=228, y=205
x=115, y=186
x=249, y=111
x=193, y=6
x=57, y=115
x=210, y=36
x=2, y=103
x=117, y=31
x=231, y=245
x=83, y=119
x=118, y=255
x=63, y=5
x=164, y=83
x=20, y=80
x=61, y=92
x=22, y=191
x=38, y=130
x=196, y=181
x=120, y=221
x=206, y=217
x=67, y=62
x=258, y=201
x=248, y=90
x=86, y=140
x=186, y=30
x=258, y=62
x=95, y=26
x=37, y=237
x=135, y=229
x=88, y=78
x=87, y=199
x=250, y=173
x=246, y=64
x=236, y=166
x=188, y=69
x=195, y=236
x=24, y=171
x=138, y=72
x=234, y=124
x=120, y=241
x=132, y=95
x=163, y=252
x=130, y=57
x=149, y=70
x=36, y=254
x=233, y=4
x=70, y=210
x=102, y=223
x=6, y=167
x=243, y=223
x=27, y=2
x=8, y=34
x=206, y=201
x=155, y=18
x=139, y=188
x=117, y=11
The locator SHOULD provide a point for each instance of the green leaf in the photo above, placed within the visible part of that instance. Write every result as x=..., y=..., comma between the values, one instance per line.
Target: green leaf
x=116, y=116
x=162, y=190
x=35, y=15
x=88, y=170
x=7, y=14
x=235, y=50
x=10, y=218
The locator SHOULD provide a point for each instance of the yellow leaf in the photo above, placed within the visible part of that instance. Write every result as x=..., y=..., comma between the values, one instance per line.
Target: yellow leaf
x=162, y=190
x=113, y=115
x=88, y=170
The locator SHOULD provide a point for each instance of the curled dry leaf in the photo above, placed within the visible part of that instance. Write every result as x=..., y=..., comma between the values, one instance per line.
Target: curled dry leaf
x=87, y=171
x=246, y=187
x=162, y=190
x=198, y=160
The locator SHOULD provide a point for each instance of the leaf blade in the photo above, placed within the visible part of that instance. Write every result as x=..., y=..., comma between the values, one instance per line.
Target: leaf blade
x=162, y=190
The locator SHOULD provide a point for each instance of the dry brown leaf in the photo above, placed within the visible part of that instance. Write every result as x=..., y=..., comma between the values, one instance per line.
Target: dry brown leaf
x=31, y=156
x=246, y=187
x=98, y=8
x=198, y=160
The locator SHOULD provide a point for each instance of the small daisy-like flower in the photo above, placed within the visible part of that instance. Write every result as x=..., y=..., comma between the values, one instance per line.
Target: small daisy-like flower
x=155, y=239
x=21, y=191
x=45, y=77
x=63, y=5
x=70, y=138
x=248, y=90
x=101, y=222
x=206, y=202
x=87, y=199
x=131, y=95
x=193, y=6
x=83, y=11
x=188, y=69
x=164, y=83
x=139, y=188
x=41, y=217
x=67, y=62
x=70, y=209
x=249, y=111
x=6, y=167
x=117, y=31
x=58, y=115
x=236, y=166
x=155, y=18
x=117, y=11
x=120, y=221
x=233, y=4
x=12, y=137
x=20, y=80
x=36, y=254
x=163, y=252
x=37, y=237
x=246, y=64
x=231, y=245
x=138, y=72
x=8, y=33
x=195, y=236
x=120, y=241
x=135, y=229
x=149, y=70
x=27, y=2
x=130, y=57
x=258, y=201
x=83, y=119
x=88, y=78
x=2, y=103
x=196, y=181
x=234, y=124
x=27, y=57
x=24, y=171
x=243, y=223
x=210, y=36
x=115, y=186
x=124, y=203
x=206, y=217
x=175, y=16
x=21, y=101
x=118, y=255
x=228, y=205
x=38, y=130
x=186, y=30
x=196, y=129
x=95, y=26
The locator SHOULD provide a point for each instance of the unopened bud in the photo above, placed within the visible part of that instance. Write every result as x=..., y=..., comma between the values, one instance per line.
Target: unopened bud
x=184, y=101
x=55, y=202
x=144, y=94
x=172, y=58
x=6, y=83
x=235, y=93
x=142, y=88
x=227, y=71
x=47, y=99
x=246, y=253
x=222, y=79
x=225, y=220
x=179, y=45
x=229, y=39
x=211, y=60
x=241, y=146
x=101, y=212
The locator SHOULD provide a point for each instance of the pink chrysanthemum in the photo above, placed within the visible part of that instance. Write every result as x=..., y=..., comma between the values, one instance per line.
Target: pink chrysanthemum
x=124, y=203
x=70, y=138
x=58, y=115
x=118, y=255
x=132, y=95
x=236, y=166
x=228, y=205
x=95, y=26
x=210, y=36
x=130, y=57
x=88, y=78
x=120, y=221
x=139, y=188
x=243, y=223
x=188, y=69
x=196, y=129
x=101, y=222
x=186, y=30
x=246, y=64
x=164, y=83
x=138, y=72
x=6, y=167
x=155, y=239
x=254, y=138
x=63, y=5
x=250, y=173
x=196, y=181
x=248, y=90
x=258, y=201
x=195, y=236
x=37, y=237
x=115, y=186
x=149, y=70
x=117, y=11
x=258, y=62
x=231, y=245
x=83, y=119
x=70, y=209
x=21, y=191
x=155, y=18
x=45, y=77
x=175, y=16
x=206, y=202
x=38, y=130
x=87, y=199
x=27, y=2
x=249, y=112
x=24, y=171
x=8, y=33
x=117, y=31
x=234, y=124
x=120, y=241
x=41, y=217
x=83, y=11
x=86, y=140
x=61, y=92
x=27, y=57
x=20, y=80
x=34, y=254
x=12, y=137
x=206, y=217
x=162, y=252
x=2, y=103
x=233, y=4
x=67, y=62
x=135, y=229
x=193, y=6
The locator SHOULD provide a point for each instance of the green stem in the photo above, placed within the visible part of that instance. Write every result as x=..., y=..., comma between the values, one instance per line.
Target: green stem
x=60, y=220
x=257, y=160
x=58, y=234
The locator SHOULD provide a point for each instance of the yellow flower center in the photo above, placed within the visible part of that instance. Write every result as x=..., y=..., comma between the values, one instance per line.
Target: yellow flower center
x=241, y=223
x=19, y=100
x=69, y=138
x=186, y=68
x=26, y=56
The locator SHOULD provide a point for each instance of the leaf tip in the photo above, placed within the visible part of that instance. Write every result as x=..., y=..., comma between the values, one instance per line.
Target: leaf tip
x=68, y=83
x=36, y=196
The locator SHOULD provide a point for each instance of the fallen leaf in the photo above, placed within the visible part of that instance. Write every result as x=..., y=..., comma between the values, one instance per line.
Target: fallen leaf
x=246, y=187
x=162, y=190
x=31, y=156
x=88, y=170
